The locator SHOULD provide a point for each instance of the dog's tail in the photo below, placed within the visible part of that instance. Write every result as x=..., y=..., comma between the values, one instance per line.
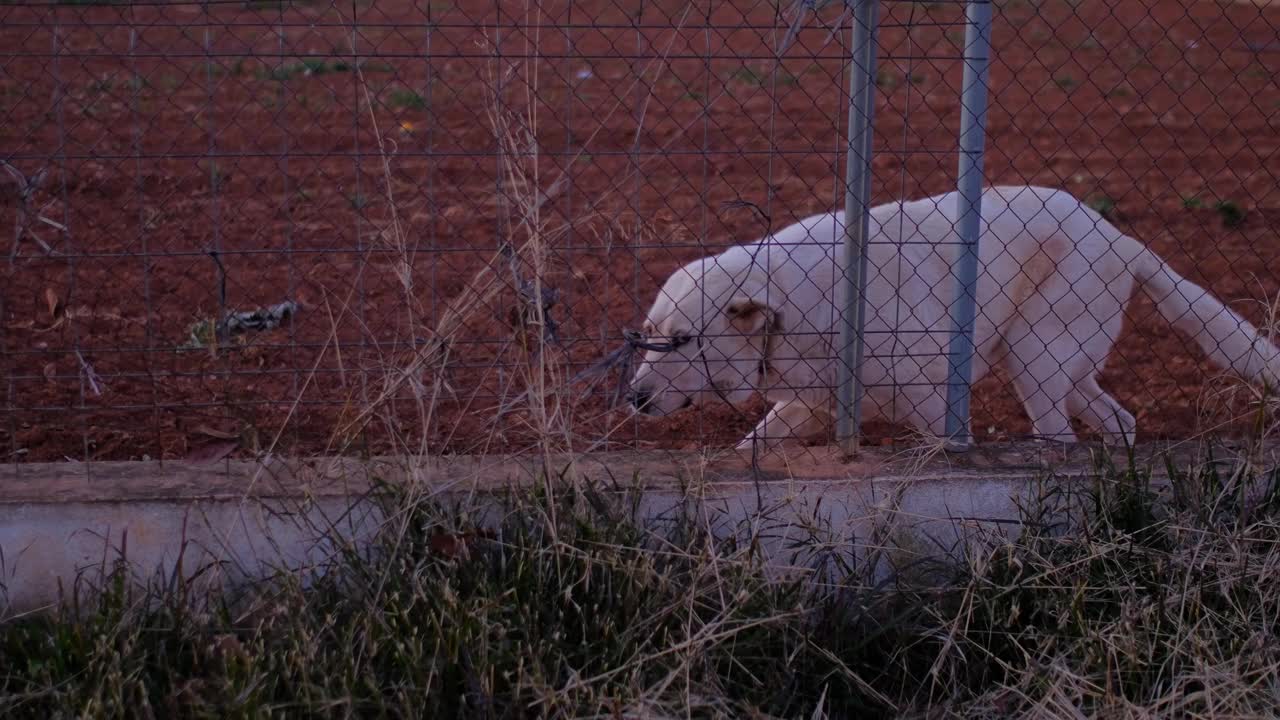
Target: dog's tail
x=1228, y=339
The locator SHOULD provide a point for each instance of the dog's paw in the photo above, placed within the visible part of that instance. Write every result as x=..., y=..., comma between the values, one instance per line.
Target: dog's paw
x=752, y=448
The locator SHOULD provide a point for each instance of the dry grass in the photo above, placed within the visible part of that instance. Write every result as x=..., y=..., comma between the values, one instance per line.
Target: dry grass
x=518, y=283
x=1112, y=602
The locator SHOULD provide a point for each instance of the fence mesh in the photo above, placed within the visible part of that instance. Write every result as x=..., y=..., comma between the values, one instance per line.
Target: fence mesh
x=312, y=227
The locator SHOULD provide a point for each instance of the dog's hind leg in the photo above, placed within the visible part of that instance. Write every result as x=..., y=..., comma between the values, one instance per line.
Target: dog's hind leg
x=1093, y=405
x=1088, y=401
x=1044, y=388
x=791, y=418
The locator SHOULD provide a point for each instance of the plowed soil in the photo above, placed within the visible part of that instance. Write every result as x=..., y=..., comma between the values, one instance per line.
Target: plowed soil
x=348, y=158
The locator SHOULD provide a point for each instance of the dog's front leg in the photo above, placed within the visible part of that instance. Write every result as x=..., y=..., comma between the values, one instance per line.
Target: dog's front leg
x=786, y=419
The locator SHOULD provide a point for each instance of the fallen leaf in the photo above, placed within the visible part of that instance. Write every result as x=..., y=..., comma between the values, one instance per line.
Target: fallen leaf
x=54, y=304
x=53, y=326
x=449, y=544
x=50, y=372
x=227, y=646
x=213, y=432
x=209, y=454
x=254, y=444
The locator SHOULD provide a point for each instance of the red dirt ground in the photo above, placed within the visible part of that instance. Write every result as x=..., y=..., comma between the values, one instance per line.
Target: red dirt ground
x=170, y=130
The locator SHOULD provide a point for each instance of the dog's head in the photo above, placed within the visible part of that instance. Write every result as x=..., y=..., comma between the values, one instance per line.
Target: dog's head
x=708, y=335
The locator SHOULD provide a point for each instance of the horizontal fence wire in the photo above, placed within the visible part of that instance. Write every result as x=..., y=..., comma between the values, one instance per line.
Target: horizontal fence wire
x=235, y=228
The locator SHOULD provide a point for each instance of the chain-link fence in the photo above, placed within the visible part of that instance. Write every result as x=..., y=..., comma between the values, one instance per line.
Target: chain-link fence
x=303, y=227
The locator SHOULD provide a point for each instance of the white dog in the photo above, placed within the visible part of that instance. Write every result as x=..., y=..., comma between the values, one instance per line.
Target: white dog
x=1054, y=279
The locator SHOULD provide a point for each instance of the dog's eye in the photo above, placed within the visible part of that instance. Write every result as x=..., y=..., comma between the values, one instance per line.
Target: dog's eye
x=680, y=340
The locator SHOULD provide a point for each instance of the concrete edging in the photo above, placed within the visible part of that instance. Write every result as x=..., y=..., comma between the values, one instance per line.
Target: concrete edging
x=64, y=522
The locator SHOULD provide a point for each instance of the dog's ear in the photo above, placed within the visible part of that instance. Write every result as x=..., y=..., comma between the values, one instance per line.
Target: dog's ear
x=749, y=316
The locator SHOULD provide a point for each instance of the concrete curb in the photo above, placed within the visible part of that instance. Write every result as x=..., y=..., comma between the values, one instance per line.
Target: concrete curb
x=62, y=524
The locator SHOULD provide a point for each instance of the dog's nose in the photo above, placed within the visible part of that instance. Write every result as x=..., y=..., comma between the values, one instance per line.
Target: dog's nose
x=640, y=398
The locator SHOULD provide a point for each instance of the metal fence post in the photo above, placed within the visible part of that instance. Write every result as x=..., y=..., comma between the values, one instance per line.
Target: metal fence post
x=973, y=119
x=857, y=197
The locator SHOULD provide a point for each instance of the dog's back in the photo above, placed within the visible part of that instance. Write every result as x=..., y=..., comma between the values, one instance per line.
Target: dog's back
x=1040, y=250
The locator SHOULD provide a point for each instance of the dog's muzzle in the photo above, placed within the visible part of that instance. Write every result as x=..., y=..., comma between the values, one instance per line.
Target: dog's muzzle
x=640, y=399
x=643, y=402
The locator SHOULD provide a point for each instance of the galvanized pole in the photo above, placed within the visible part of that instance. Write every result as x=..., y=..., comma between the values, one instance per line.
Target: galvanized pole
x=973, y=121
x=857, y=198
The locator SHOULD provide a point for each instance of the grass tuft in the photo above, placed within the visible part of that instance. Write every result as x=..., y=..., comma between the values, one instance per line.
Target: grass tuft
x=1232, y=214
x=1103, y=205
x=1115, y=598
